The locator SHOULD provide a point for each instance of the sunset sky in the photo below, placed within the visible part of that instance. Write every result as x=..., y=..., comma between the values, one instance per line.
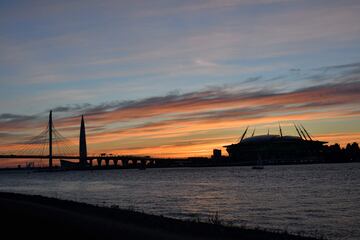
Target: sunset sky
x=177, y=78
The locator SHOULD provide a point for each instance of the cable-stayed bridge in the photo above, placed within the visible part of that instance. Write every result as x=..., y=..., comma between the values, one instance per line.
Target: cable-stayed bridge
x=50, y=145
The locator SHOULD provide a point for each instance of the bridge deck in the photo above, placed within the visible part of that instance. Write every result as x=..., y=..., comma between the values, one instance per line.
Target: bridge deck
x=113, y=157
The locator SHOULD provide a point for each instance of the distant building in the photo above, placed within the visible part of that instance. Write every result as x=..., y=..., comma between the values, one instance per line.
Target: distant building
x=277, y=149
x=216, y=154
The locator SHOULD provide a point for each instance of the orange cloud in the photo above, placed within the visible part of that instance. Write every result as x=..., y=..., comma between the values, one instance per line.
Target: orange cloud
x=160, y=125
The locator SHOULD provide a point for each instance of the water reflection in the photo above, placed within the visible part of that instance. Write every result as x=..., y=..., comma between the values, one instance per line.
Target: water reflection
x=312, y=198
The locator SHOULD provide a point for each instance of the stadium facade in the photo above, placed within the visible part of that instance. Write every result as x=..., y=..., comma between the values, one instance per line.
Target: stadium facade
x=277, y=149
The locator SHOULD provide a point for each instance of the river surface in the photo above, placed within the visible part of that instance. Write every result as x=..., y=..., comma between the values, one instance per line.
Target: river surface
x=317, y=200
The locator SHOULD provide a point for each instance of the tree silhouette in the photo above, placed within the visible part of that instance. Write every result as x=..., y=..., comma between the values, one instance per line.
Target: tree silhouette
x=334, y=153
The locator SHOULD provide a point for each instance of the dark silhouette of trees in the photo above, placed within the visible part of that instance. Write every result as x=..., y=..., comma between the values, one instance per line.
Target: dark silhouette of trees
x=352, y=152
x=334, y=153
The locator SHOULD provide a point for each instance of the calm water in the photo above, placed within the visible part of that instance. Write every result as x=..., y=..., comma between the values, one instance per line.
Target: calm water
x=319, y=199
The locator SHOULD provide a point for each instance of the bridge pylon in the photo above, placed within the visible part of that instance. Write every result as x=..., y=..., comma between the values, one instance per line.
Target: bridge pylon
x=82, y=144
x=50, y=126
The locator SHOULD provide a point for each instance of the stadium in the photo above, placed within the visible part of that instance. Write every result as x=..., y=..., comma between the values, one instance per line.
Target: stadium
x=277, y=149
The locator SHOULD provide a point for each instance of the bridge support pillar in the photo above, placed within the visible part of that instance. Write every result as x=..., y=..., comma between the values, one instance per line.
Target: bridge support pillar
x=90, y=162
x=99, y=160
x=107, y=162
x=115, y=162
x=124, y=162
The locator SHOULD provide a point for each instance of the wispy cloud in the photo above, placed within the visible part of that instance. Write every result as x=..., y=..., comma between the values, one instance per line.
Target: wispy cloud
x=287, y=33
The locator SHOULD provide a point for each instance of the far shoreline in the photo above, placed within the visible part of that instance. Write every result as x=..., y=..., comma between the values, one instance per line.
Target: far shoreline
x=60, y=169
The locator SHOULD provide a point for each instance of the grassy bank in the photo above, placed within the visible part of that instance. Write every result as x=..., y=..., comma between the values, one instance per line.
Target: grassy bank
x=48, y=218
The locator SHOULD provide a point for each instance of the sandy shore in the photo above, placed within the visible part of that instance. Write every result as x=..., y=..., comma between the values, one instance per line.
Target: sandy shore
x=24, y=216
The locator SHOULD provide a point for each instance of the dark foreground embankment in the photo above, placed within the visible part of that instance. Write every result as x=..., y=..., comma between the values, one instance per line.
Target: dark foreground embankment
x=36, y=217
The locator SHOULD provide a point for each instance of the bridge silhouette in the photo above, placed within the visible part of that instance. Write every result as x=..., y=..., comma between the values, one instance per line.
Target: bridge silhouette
x=42, y=146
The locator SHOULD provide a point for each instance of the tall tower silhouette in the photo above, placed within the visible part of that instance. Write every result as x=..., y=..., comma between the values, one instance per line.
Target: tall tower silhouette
x=82, y=143
x=50, y=126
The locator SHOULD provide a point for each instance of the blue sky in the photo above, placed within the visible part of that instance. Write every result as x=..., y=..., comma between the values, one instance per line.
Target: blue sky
x=77, y=53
